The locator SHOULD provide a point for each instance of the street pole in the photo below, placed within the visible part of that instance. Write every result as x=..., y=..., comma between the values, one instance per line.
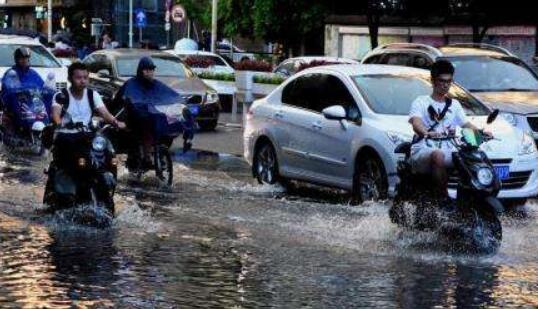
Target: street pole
x=49, y=20
x=130, y=23
x=214, y=26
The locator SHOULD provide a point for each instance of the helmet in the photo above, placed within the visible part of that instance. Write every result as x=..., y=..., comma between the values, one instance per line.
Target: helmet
x=22, y=52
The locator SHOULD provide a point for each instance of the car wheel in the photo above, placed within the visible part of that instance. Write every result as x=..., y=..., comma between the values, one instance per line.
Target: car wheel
x=209, y=125
x=369, y=180
x=266, y=165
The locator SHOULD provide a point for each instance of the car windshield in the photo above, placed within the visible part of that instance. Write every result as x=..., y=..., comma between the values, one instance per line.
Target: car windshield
x=166, y=67
x=394, y=94
x=480, y=73
x=40, y=57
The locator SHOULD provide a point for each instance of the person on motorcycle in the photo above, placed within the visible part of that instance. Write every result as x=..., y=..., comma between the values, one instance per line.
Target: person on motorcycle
x=25, y=74
x=433, y=116
x=80, y=102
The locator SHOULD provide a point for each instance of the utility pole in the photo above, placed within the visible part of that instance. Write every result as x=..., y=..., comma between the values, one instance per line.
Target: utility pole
x=214, y=26
x=130, y=23
x=49, y=20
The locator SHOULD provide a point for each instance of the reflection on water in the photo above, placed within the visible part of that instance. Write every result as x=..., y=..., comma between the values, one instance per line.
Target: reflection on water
x=218, y=240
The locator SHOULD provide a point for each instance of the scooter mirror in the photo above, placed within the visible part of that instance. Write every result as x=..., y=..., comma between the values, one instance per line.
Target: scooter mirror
x=493, y=116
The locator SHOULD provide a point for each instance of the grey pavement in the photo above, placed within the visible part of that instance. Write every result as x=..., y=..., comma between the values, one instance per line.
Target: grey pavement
x=227, y=138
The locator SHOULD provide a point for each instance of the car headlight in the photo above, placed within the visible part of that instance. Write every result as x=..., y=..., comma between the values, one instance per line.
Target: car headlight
x=485, y=176
x=511, y=118
x=397, y=138
x=211, y=97
x=527, y=145
x=99, y=143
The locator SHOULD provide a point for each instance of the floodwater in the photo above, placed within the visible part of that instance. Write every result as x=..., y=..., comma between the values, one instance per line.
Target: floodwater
x=216, y=239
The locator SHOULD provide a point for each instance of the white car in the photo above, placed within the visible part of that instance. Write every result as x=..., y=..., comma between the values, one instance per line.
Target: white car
x=291, y=66
x=224, y=48
x=339, y=125
x=41, y=60
x=220, y=65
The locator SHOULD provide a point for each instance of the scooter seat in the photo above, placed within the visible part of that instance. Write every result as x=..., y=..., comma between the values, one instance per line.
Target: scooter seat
x=403, y=148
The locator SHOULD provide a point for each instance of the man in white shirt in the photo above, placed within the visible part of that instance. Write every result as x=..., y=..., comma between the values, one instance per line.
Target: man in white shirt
x=432, y=156
x=80, y=102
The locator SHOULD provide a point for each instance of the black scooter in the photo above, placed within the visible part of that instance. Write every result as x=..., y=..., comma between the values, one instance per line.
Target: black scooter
x=473, y=224
x=83, y=170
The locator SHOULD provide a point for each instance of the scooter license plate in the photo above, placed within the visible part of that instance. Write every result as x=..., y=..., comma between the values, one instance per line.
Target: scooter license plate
x=503, y=172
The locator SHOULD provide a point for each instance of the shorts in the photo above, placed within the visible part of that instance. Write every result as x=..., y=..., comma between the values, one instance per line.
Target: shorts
x=421, y=159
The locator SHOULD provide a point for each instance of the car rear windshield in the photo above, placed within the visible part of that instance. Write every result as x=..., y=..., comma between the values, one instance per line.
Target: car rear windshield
x=394, y=94
x=485, y=73
x=39, y=56
x=165, y=67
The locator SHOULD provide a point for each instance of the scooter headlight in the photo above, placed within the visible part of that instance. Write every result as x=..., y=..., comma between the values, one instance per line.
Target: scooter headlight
x=485, y=176
x=99, y=143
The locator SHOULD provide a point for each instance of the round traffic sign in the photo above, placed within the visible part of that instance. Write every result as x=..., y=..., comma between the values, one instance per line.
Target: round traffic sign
x=178, y=13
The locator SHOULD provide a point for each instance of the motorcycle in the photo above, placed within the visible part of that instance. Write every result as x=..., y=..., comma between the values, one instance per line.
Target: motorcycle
x=83, y=170
x=473, y=224
x=26, y=111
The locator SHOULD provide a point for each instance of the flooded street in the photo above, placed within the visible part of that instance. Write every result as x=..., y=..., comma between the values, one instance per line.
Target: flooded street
x=216, y=239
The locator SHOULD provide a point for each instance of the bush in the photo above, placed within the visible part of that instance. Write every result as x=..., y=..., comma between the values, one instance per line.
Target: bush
x=65, y=53
x=253, y=65
x=199, y=62
x=217, y=76
x=271, y=80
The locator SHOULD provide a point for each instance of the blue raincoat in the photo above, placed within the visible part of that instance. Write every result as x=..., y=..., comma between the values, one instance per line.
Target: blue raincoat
x=155, y=106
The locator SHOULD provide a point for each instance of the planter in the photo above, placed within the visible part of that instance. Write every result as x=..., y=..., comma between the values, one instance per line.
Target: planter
x=244, y=80
x=262, y=90
x=221, y=86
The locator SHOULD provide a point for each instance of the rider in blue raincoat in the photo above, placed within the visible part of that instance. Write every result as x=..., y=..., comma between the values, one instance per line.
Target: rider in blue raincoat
x=22, y=78
x=152, y=108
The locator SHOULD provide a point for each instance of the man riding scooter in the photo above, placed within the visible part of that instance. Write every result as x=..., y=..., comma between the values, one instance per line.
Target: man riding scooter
x=83, y=168
x=431, y=117
x=26, y=103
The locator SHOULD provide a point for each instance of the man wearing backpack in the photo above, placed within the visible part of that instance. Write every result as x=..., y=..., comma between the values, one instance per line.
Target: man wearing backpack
x=432, y=116
x=80, y=102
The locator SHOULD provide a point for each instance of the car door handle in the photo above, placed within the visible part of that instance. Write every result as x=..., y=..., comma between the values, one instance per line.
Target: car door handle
x=317, y=126
x=279, y=115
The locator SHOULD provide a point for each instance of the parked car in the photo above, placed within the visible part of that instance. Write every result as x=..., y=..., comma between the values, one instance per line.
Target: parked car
x=43, y=61
x=339, y=125
x=225, y=49
x=111, y=68
x=493, y=74
x=217, y=63
x=291, y=66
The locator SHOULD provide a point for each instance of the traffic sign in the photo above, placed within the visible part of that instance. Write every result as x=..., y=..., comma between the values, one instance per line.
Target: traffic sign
x=141, y=18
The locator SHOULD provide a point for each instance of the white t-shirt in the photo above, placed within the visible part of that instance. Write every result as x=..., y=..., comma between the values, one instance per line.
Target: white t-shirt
x=454, y=118
x=80, y=110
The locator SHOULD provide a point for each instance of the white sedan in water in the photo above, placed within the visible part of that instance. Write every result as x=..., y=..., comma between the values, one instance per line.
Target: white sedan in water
x=338, y=126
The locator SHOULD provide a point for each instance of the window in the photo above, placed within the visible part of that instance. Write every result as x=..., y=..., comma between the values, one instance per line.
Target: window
x=394, y=94
x=39, y=56
x=166, y=67
x=301, y=91
x=332, y=91
x=373, y=60
x=396, y=59
x=421, y=62
x=318, y=91
x=286, y=68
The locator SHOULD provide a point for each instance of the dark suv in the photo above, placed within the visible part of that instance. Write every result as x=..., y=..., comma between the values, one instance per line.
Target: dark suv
x=491, y=73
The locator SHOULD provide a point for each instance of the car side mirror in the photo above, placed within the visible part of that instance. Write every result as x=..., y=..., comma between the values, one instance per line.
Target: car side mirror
x=493, y=116
x=335, y=112
x=104, y=74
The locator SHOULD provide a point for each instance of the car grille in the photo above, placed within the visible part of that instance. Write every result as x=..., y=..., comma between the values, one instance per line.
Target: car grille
x=516, y=180
x=60, y=86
